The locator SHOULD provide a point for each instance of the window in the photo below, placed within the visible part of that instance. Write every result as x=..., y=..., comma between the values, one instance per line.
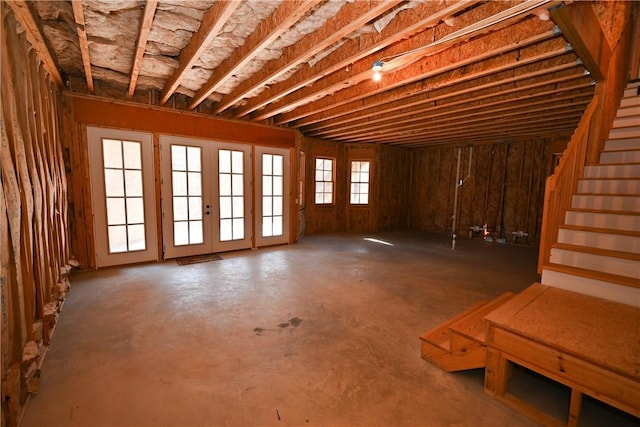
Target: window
x=186, y=175
x=360, y=182
x=272, y=195
x=324, y=181
x=231, y=182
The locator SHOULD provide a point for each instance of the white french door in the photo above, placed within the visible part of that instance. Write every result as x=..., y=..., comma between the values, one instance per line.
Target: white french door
x=123, y=196
x=206, y=196
x=272, y=196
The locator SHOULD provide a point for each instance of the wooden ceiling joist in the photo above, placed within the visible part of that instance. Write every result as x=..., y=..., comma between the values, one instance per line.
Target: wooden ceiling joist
x=439, y=88
x=29, y=22
x=348, y=19
x=212, y=23
x=285, y=15
x=406, y=54
x=462, y=102
x=145, y=27
x=403, y=26
x=506, y=56
x=78, y=15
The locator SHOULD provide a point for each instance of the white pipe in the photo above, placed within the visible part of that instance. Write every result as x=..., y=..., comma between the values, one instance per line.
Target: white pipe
x=455, y=200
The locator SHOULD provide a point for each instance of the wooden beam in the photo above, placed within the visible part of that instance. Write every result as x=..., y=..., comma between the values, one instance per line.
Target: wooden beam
x=27, y=19
x=212, y=23
x=349, y=18
x=145, y=27
x=285, y=15
x=78, y=15
x=581, y=27
x=508, y=54
x=495, y=18
x=405, y=25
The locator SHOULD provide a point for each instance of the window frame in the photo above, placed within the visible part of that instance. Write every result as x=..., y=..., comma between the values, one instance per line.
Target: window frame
x=333, y=181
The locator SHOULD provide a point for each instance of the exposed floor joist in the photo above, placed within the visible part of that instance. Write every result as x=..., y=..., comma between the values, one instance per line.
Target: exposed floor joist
x=145, y=27
x=78, y=14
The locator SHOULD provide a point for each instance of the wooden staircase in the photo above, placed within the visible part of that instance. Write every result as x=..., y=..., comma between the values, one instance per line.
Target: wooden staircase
x=598, y=248
x=460, y=343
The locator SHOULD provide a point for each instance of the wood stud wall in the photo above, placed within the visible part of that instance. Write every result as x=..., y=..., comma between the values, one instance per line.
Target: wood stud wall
x=34, y=260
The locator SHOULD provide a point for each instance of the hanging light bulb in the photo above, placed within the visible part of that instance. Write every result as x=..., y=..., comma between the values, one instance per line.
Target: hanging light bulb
x=377, y=71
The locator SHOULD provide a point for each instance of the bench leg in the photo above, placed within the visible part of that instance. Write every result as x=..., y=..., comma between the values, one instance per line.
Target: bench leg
x=574, y=408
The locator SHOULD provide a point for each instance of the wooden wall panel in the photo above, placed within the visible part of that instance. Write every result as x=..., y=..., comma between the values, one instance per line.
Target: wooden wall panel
x=394, y=194
x=33, y=229
x=502, y=188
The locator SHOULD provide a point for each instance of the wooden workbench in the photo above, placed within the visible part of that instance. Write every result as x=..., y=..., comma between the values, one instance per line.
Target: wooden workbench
x=588, y=344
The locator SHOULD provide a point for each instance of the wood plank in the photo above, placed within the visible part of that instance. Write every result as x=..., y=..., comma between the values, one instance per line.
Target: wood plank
x=78, y=14
x=285, y=15
x=143, y=35
x=349, y=18
x=405, y=25
x=27, y=19
x=213, y=20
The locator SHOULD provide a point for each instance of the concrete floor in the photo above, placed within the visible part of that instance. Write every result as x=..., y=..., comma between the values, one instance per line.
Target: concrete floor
x=323, y=333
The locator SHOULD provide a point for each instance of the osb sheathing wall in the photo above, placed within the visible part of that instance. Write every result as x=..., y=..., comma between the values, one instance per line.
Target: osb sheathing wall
x=33, y=231
x=502, y=187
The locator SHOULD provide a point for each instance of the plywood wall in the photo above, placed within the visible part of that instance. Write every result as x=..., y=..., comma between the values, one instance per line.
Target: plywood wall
x=34, y=255
x=502, y=188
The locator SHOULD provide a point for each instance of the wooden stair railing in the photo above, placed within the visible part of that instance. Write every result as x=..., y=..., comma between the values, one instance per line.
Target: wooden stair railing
x=562, y=184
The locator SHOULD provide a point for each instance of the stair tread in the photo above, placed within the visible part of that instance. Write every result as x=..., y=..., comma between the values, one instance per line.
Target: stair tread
x=597, y=251
x=593, y=274
x=441, y=334
x=472, y=326
x=602, y=211
x=600, y=230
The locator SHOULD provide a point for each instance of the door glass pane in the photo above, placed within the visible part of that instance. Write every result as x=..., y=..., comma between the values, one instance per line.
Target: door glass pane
x=272, y=191
x=122, y=163
x=231, y=179
x=186, y=172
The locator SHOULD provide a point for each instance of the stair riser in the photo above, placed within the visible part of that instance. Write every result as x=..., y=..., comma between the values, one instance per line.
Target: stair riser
x=620, y=157
x=612, y=203
x=629, y=101
x=603, y=220
x=622, y=144
x=609, y=186
x=597, y=288
x=604, y=264
x=616, y=242
x=630, y=91
x=626, y=122
x=632, y=110
x=612, y=171
x=624, y=132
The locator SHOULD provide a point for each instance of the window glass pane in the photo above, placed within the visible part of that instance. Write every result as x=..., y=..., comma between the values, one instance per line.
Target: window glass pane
x=319, y=198
x=327, y=176
x=354, y=198
x=266, y=206
x=267, y=163
x=328, y=198
x=226, y=232
x=179, y=183
x=319, y=175
x=364, y=199
x=195, y=208
x=225, y=207
x=195, y=183
x=195, y=232
x=277, y=165
x=277, y=185
x=132, y=155
x=319, y=163
x=238, y=229
x=193, y=159
x=112, y=153
x=277, y=226
x=225, y=185
x=181, y=233
x=224, y=161
x=180, y=209
x=267, y=189
x=178, y=158
x=277, y=205
x=136, y=238
x=238, y=207
x=238, y=185
x=364, y=166
x=115, y=211
x=117, y=238
x=133, y=183
x=237, y=162
x=135, y=211
x=113, y=183
x=267, y=227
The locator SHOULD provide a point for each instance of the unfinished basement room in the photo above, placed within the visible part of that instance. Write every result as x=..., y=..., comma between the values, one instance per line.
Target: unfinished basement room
x=327, y=213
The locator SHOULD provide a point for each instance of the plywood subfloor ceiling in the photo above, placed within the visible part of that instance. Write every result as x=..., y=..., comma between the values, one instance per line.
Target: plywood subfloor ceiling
x=452, y=71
